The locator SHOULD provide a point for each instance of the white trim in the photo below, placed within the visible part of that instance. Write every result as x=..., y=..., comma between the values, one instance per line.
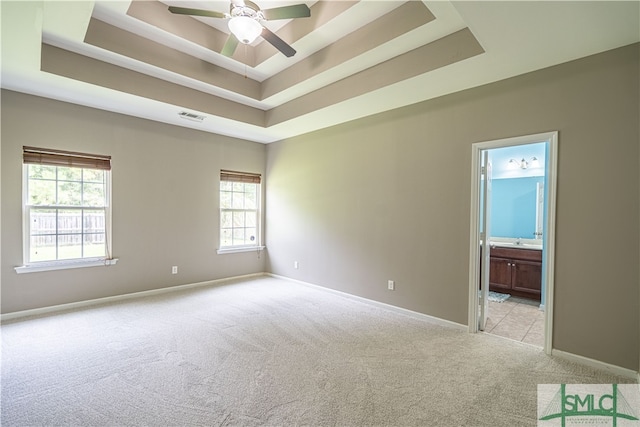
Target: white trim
x=26, y=227
x=259, y=225
x=400, y=310
x=611, y=369
x=616, y=370
x=474, y=243
x=65, y=265
x=25, y=217
x=549, y=245
x=239, y=250
x=116, y=298
x=109, y=213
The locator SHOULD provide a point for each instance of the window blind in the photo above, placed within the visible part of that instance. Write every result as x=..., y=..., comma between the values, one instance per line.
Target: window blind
x=49, y=157
x=253, y=178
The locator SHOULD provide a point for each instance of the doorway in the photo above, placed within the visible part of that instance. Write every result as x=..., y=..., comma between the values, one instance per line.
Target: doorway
x=543, y=233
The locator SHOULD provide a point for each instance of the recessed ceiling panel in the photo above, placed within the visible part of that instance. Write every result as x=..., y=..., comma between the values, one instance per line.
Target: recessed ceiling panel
x=353, y=58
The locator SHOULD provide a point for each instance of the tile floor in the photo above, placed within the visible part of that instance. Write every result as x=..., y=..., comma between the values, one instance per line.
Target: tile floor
x=517, y=318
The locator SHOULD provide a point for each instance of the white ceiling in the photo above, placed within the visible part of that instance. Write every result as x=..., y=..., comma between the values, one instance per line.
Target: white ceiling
x=517, y=37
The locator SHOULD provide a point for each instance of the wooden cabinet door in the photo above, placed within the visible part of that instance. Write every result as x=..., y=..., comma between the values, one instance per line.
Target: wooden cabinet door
x=500, y=274
x=527, y=277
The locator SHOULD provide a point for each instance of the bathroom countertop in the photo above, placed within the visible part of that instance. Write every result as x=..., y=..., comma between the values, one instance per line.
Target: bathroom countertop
x=509, y=242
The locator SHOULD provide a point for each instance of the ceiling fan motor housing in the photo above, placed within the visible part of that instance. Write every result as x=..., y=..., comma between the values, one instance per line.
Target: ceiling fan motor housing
x=245, y=23
x=249, y=10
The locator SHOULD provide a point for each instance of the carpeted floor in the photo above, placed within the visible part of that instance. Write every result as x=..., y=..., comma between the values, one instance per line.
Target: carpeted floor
x=266, y=352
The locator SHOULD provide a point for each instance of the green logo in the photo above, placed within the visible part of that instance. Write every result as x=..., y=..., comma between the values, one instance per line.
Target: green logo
x=589, y=404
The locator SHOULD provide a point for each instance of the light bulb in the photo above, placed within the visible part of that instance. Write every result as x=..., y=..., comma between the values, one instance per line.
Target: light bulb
x=535, y=162
x=523, y=164
x=245, y=29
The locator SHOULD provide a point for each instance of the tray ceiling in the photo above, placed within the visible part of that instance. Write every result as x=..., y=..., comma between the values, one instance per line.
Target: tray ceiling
x=353, y=58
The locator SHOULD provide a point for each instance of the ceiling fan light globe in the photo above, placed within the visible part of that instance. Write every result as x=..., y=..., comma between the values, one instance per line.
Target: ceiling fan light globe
x=245, y=29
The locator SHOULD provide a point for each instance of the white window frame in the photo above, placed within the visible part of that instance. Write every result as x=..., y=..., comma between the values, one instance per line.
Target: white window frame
x=62, y=264
x=257, y=246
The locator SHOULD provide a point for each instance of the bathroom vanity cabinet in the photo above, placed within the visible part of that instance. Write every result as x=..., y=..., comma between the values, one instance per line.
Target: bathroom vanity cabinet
x=516, y=271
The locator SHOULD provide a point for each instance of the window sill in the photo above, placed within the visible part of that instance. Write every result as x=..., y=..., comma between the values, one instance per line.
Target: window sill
x=239, y=250
x=65, y=265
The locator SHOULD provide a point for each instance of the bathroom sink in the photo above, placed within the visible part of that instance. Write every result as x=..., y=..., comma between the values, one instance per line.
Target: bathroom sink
x=521, y=245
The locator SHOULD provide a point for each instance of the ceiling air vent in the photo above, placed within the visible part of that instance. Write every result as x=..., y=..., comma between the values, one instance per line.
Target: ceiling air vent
x=191, y=116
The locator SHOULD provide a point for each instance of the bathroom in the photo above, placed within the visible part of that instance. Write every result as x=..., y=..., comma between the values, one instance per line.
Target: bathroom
x=515, y=276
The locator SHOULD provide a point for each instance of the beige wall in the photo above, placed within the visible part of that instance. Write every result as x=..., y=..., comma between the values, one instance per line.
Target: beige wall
x=388, y=197
x=385, y=197
x=165, y=201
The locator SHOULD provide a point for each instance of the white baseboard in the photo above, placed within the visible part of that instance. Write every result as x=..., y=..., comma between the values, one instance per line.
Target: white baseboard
x=612, y=369
x=115, y=298
x=400, y=310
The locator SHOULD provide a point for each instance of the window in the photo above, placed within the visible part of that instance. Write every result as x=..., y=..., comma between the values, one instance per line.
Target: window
x=66, y=207
x=239, y=211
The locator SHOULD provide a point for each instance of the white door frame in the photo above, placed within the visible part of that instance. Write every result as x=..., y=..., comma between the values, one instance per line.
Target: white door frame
x=549, y=229
x=485, y=233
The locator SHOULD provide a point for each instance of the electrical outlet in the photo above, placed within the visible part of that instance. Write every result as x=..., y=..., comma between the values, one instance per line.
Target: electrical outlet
x=391, y=285
x=174, y=269
x=295, y=264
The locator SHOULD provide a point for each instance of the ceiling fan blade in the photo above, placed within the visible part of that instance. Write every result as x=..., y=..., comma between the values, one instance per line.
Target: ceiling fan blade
x=287, y=12
x=230, y=46
x=195, y=12
x=278, y=43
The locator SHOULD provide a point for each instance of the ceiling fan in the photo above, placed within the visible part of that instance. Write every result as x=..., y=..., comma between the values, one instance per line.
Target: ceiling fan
x=244, y=23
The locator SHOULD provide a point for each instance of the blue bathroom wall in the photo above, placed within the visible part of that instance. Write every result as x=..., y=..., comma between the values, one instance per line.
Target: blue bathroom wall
x=513, y=207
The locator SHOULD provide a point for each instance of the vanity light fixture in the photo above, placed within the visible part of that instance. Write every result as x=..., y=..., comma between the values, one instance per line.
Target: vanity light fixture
x=523, y=164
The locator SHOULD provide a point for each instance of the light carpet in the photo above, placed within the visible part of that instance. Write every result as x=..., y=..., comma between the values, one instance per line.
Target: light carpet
x=266, y=352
